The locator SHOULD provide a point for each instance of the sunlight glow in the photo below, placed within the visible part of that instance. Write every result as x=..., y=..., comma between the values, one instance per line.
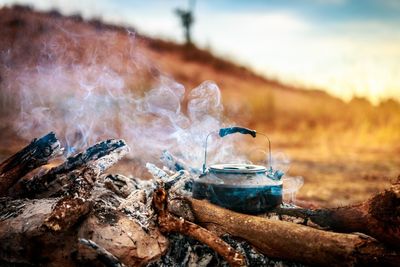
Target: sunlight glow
x=346, y=58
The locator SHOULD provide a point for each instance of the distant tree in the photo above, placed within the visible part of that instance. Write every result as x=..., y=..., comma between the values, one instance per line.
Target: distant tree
x=187, y=20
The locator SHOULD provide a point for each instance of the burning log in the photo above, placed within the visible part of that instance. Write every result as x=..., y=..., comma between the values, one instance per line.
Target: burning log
x=378, y=217
x=36, y=154
x=98, y=158
x=77, y=186
x=284, y=240
x=26, y=225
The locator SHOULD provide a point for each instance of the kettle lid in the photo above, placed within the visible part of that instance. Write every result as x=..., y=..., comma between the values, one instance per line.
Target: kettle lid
x=237, y=168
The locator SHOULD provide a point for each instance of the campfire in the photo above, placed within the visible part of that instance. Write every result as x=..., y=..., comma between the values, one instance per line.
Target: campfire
x=62, y=203
x=74, y=213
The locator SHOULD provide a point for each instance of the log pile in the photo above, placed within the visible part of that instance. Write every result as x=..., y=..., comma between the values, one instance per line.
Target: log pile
x=75, y=214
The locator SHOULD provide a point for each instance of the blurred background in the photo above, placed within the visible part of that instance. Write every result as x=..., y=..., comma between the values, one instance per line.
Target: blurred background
x=320, y=77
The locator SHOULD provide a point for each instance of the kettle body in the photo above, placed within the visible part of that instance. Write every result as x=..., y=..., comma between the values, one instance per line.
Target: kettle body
x=244, y=188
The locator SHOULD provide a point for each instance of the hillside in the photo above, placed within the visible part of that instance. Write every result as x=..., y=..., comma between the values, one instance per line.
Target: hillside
x=344, y=151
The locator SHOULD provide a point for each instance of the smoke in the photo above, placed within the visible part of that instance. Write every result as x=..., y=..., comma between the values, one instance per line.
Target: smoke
x=280, y=161
x=291, y=185
x=87, y=86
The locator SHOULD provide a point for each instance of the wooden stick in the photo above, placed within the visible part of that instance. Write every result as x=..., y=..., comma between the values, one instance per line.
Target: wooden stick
x=36, y=154
x=169, y=223
x=284, y=240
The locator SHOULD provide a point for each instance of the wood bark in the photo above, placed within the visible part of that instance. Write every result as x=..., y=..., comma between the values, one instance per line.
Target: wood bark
x=36, y=154
x=285, y=240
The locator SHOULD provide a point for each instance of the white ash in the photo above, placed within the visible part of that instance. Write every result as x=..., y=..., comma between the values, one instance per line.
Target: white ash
x=138, y=207
x=178, y=183
x=125, y=194
x=157, y=172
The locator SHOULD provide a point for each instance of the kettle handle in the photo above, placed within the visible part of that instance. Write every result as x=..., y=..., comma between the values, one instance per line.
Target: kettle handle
x=235, y=129
x=231, y=130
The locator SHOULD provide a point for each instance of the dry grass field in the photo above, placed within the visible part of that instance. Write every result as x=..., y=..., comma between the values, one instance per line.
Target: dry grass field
x=344, y=151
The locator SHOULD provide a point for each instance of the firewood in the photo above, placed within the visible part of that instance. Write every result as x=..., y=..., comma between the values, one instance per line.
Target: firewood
x=36, y=154
x=46, y=231
x=98, y=158
x=25, y=236
x=378, y=217
x=23, y=222
x=111, y=220
x=169, y=223
x=285, y=240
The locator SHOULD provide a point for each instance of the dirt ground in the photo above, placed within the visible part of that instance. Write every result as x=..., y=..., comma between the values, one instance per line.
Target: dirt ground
x=340, y=180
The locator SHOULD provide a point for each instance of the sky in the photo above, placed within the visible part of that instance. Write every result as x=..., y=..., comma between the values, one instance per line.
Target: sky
x=346, y=47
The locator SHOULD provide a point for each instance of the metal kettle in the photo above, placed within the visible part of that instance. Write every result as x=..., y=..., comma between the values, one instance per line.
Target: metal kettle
x=244, y=188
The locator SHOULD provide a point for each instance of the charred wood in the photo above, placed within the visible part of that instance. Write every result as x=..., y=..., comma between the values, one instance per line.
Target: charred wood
x=98, y=158
x=185, y=251
x=36, y=154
